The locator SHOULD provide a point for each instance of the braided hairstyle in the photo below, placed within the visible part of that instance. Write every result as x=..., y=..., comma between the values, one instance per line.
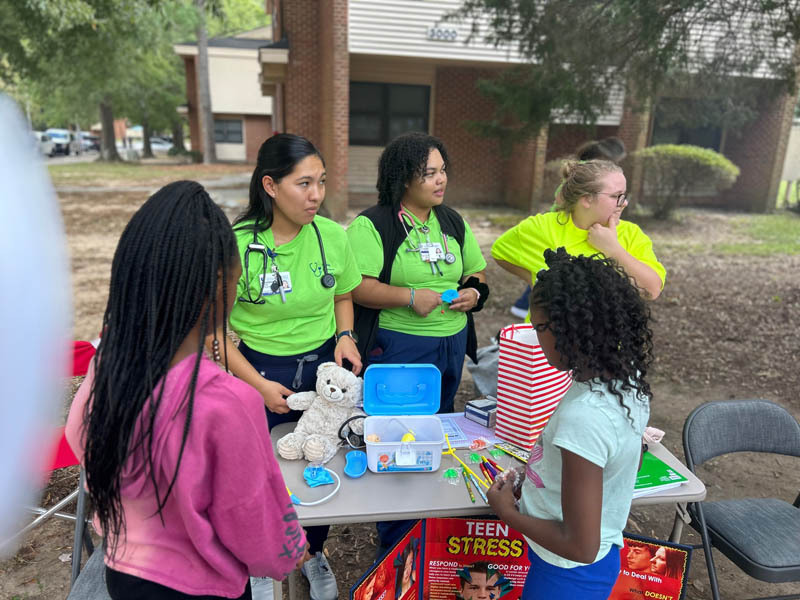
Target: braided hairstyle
x=164, y=281
x=599, y=320
x=403, y=160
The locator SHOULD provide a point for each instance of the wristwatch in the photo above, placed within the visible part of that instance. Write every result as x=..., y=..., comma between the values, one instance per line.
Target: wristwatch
x=349, y=333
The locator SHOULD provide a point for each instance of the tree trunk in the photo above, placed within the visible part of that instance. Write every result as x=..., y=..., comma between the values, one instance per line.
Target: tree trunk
x=108, y=146
x=177, y=135
x=147, y=151
x=203, y=87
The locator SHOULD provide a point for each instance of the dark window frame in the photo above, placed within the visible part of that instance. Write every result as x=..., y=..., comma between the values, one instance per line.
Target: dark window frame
x=384, y=114
x=227, y=132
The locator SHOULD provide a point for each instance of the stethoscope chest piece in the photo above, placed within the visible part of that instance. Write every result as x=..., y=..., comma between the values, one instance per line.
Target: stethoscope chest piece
x=449, y=258
x=328, y=281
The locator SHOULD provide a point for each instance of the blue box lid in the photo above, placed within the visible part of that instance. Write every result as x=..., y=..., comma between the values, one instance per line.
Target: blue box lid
x=403, y=389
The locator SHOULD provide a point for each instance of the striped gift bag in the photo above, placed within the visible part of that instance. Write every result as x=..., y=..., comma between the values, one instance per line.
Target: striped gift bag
x=528, y=388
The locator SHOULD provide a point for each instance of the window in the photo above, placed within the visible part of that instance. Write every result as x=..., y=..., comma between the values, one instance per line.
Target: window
x=380, y=112
x=676, y=122
x=228, y=131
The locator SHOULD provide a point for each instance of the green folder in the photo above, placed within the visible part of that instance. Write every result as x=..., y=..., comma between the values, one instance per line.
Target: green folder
x=655, y=476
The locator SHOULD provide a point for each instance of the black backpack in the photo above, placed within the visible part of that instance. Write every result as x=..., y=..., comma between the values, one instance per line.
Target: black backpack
x=388, y=226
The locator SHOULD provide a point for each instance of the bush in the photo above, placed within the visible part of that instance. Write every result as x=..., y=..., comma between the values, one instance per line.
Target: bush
x=671, y=172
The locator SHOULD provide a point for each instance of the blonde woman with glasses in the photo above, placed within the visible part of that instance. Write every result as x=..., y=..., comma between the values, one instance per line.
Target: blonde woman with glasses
x=593, y=195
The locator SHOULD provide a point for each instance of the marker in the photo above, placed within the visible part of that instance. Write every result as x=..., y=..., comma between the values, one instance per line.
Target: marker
x=477, y=487
x=486, y=472
x=494, y=464
x=492, y=471
x=469, y=488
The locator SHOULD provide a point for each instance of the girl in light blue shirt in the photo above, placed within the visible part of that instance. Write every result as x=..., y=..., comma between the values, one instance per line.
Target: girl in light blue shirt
x=577, y=487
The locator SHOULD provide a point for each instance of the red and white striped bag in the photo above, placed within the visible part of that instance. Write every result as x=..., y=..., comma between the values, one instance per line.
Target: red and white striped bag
x=528, y=388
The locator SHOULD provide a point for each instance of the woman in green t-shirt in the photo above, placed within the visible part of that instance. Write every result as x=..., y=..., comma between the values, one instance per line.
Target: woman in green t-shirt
x=412, y=233
x=293, y=307
x=588, y=221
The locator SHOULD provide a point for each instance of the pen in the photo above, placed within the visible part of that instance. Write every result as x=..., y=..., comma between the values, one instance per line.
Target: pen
x=469, y=488
x=477, y=487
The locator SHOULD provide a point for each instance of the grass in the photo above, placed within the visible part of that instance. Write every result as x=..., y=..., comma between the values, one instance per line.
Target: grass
x=765, y=235
x=106, y=174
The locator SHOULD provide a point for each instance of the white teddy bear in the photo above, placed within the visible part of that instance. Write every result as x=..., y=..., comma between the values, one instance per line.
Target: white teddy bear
x=316, y=436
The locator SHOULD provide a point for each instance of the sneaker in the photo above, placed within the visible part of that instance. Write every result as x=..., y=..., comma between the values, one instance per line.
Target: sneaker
x=261, y=588
x=321, y=580
x=518, y=312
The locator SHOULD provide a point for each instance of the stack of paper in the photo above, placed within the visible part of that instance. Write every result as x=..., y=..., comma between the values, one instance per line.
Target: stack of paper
x=655, y=476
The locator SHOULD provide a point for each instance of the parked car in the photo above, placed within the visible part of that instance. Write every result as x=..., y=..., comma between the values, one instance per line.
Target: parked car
x=89, y=142
x=158, y=144
x=64, y=141
x=43, y=143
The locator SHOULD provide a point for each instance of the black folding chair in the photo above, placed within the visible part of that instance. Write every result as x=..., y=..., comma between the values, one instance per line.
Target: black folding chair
x=760, y=535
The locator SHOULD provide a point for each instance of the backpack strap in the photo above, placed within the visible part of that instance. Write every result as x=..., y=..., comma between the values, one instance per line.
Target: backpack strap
x=365, y=322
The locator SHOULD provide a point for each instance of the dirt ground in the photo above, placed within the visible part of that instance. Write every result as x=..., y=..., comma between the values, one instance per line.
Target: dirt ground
x=726, y=326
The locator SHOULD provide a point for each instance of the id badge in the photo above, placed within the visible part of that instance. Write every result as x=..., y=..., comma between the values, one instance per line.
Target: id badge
x=436, y=251
x=424, y=252
x=268, y=280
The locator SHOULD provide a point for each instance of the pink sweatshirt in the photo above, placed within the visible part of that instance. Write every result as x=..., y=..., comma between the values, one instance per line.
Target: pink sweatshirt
x=228, y=515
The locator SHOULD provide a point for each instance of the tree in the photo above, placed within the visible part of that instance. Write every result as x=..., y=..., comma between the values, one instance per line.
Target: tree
x=204, y=87
x=578, y=50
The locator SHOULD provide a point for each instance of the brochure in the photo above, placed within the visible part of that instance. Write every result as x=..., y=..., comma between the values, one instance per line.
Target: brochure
x=655, y=476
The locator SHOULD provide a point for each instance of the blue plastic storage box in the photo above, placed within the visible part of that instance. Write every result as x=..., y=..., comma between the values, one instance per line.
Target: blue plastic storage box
x=400, y=400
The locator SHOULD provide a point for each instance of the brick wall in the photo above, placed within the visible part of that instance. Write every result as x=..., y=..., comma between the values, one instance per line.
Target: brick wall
x=316, y=93
x=191, y=98
x=302, y=102
x=335, y=103
x=257, y=128
x=634, y=131
x=478, y=168
x=759, y=150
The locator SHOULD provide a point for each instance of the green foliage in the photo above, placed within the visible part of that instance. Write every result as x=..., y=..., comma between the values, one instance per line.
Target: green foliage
x=672, y=171
x=765, y=235
x=576, y=52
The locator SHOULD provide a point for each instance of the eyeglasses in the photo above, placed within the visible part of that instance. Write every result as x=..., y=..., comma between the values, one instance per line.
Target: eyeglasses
x=621, y=198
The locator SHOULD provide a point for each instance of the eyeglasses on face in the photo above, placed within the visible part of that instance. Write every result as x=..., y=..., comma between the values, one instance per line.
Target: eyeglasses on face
x=621, y=198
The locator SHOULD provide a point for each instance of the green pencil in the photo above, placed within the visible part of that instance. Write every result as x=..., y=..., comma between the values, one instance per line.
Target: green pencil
x=469, y=487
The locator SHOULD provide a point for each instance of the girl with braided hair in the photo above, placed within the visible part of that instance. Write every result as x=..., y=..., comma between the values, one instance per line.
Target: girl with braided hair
x=178, y=460
x=577, y=488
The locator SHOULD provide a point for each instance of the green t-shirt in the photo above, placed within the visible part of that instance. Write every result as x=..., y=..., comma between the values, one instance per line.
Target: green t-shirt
x=408, y=270
x=524, y=244
x=307, y=319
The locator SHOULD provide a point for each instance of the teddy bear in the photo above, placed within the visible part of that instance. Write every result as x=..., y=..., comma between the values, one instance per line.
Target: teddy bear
x=337, y=397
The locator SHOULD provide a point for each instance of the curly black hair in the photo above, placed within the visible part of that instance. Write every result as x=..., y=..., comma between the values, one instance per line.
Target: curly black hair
x=402, y=160
x=599, y=320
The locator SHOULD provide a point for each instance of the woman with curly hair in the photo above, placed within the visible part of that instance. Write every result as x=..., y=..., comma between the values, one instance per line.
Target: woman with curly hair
x=411, y=248
x=576, y=490
x=593, y=195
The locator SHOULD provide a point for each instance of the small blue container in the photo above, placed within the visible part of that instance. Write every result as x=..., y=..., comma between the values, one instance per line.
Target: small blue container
x=402, y=399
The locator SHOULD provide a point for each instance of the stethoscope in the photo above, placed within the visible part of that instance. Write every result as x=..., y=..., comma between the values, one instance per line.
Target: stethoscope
x=402, y=214
x=268, y=255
